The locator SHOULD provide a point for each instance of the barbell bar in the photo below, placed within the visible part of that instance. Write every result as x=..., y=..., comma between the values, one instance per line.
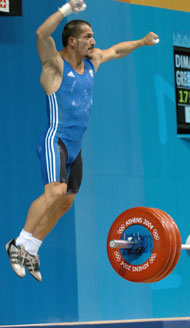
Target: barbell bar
x=144, y=244
x=128, y=244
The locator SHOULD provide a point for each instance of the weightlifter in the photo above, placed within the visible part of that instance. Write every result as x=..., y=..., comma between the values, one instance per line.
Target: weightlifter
x=67, y=77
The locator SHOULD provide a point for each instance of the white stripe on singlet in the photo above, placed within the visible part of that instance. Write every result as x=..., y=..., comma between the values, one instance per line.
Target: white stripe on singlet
x=49, y=148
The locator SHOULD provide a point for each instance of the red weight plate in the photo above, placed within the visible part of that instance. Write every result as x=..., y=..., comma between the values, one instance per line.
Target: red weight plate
x=178, y=242
x=174, y=248
x=173, y=239
x=161, y=241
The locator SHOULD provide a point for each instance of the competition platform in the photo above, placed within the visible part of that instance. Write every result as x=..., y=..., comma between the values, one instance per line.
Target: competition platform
x=146, y=323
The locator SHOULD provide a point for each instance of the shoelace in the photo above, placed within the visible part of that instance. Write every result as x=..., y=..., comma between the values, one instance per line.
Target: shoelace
x=22, y=256
x=32, y=261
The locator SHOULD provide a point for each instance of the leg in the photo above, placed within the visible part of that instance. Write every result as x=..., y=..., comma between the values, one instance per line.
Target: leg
x=45, y=225
x=45, y=211
x=19, y=254
x=23, y=250
x=53, y=157
x=52, y=217
x=44, y=205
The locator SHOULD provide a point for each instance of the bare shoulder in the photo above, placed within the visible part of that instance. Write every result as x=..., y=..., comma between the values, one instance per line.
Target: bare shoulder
x=97, y=57
x=102, y=56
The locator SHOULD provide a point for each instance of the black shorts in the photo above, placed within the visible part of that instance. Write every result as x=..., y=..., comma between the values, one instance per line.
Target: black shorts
x=56, y=167
x=73, y=170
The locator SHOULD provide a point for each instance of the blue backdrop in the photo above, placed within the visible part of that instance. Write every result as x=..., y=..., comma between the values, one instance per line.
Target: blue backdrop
x=132, y=157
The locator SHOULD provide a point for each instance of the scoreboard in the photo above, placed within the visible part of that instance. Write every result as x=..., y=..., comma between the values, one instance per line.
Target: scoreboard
x=182, y=89
x=10, y=7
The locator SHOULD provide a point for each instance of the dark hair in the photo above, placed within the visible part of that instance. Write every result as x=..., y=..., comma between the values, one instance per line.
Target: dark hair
x=72, y=28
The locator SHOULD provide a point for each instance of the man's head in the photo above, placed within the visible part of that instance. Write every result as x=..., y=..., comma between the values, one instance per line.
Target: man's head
x=79, y=36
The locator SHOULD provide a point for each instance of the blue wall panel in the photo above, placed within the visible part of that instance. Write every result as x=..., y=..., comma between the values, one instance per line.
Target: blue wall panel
x=113, y=178
x=166, y=157
x=132, y=157
x=23, y=117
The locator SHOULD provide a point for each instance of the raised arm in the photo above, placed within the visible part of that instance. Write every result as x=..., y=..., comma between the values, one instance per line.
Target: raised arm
x=123, y=49
x=52, y=63
x=45, y=43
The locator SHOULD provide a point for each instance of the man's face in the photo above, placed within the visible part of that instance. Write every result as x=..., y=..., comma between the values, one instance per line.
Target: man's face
x=85, y=42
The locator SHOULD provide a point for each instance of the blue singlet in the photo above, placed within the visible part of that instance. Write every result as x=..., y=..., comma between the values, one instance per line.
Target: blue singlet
x=68, y=111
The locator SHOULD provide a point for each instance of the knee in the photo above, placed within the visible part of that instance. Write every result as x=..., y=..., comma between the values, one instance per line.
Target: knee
x=56, y=195
x=66, y=204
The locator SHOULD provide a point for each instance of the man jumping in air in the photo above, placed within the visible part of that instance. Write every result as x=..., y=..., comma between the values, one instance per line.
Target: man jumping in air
x=67, y=78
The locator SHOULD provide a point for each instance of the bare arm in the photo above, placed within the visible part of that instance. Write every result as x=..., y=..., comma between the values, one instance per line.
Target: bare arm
x=45, y=43
x=52, y=63
x=123, y=49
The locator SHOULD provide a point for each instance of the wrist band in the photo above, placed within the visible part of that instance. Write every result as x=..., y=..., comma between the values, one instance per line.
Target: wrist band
x=156, y=41
x=66, y=9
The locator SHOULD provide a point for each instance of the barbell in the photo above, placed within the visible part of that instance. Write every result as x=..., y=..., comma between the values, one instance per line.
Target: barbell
x=144, y=244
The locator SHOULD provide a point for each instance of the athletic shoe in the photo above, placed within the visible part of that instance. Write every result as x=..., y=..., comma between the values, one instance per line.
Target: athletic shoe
x=33, y=265
x=17, y=255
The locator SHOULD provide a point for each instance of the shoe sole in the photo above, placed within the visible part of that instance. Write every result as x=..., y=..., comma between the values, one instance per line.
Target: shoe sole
x=39, y=280
x=7, y=246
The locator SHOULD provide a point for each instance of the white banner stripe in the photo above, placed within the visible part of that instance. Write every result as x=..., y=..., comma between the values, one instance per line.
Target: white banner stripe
x=4, y=6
